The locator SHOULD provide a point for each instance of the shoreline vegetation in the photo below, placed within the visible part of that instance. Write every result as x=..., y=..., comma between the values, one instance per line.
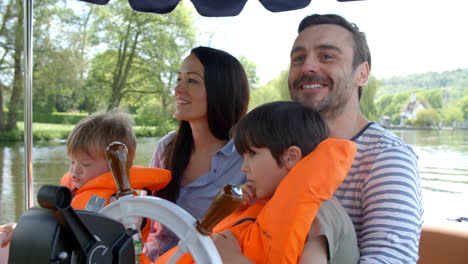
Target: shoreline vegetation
x=47, y=132
x=405, y=127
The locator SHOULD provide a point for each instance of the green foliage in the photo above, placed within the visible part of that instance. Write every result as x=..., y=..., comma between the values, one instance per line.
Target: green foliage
x=464, y=107
x=251, y=71
x=281, y=86
x=58, y=118
x=409, y=122
x=457, y=80
x=93, y=58
x=45, y=131
x=150, y=113
x=440, y=89
x=366, y=104
x=54, y=118
x=11, y=136
x=426, y=117
x=154, y=131
x=452, y=114
x=41, y=131
x=274, y=90
x=433, y=97
x=390, y=105
x=263, y=95
x=145, y=47
x=97, y=86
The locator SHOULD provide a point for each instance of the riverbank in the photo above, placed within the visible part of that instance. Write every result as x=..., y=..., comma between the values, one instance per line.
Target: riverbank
x=45, y=131
x=398, y=127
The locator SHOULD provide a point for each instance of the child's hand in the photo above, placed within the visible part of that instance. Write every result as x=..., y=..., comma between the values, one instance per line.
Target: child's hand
x=248, y=195
x=6, y=231
x=228, y=248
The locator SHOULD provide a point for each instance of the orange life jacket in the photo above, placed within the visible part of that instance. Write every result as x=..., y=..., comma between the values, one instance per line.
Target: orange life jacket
x=282, y=224
x=103, y=186
x=97, y=193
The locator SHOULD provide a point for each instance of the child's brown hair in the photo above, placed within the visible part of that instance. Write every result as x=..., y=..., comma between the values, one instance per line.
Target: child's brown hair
x=94, y=133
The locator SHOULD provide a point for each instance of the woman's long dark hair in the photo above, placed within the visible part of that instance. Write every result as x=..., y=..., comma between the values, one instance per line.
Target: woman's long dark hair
x=227, y=92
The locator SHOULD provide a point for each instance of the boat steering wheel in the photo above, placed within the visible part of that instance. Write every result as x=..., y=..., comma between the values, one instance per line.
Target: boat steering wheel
x=193, y=234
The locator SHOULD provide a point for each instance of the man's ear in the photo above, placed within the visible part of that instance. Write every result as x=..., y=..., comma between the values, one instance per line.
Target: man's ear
x=291, y=156
x=362, y=74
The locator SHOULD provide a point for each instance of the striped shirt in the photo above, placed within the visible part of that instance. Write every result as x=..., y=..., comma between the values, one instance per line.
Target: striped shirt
x=382, y=195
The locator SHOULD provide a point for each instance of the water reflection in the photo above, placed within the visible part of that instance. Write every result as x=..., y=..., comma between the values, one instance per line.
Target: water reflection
x=11, y=159
x=436, y=139
x=443, y=166
x=50, y=162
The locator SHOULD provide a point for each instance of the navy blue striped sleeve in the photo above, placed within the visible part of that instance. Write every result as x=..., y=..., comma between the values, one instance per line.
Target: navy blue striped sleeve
x=389, y=225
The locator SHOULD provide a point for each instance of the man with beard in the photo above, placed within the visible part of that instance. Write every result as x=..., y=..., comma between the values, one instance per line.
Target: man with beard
x=330, y=62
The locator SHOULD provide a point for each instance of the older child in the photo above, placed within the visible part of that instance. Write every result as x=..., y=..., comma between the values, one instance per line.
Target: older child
x=89, y=176
x=275, y=140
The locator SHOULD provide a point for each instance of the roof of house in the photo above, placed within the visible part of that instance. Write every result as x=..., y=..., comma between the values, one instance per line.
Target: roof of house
x=412, y=105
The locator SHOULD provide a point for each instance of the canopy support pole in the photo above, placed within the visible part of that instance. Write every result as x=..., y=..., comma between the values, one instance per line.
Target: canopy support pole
x=28, y=58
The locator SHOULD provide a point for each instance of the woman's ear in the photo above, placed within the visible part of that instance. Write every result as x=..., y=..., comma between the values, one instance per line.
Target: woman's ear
x=291, y=156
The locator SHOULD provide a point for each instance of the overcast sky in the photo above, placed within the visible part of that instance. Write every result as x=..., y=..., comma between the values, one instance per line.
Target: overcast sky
x=405, y=36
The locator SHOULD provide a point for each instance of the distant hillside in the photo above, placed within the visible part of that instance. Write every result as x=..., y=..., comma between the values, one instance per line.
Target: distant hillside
x=456, y=82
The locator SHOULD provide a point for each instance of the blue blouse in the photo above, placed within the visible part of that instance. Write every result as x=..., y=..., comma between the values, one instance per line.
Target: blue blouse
x=196, y=197
x=225, y=169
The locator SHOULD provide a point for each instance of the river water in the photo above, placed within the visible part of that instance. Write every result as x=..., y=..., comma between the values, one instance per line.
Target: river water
x=443, y=165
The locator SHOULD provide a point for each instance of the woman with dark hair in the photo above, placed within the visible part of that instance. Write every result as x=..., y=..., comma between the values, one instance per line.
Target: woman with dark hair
x=211, y=96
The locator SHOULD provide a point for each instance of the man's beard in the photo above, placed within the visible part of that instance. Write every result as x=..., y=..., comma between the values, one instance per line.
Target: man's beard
x=331, y=105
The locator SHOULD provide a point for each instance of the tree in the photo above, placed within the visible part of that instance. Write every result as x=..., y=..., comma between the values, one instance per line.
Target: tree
x=464, y=107
x=146, y=47
x=452, y=114
x=15, y=99
x=251, y=71
x=5, y=47
x=426, y=117
x=11, y=46
x=274, y=90
x=390, y=105
x=434, y=97
x=366, y=104
x=281, y=85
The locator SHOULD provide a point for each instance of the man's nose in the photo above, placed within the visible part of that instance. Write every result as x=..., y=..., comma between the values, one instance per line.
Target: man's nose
x=311, y=64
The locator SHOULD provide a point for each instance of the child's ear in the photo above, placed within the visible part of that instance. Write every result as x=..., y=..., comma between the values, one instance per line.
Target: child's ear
x=291, y=156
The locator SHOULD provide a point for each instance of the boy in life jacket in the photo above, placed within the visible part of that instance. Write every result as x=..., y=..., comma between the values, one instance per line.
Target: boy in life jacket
x=89, y=177
x=280, y=143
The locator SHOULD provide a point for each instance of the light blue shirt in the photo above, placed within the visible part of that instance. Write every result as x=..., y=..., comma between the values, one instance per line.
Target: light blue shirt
x=196, y=197
x=225, y=169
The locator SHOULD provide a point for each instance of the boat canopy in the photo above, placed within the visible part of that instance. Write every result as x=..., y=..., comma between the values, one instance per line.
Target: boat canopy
x=212, y=8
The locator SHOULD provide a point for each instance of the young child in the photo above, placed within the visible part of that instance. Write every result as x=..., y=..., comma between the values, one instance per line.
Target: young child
x=89, y=175
x=280, y=142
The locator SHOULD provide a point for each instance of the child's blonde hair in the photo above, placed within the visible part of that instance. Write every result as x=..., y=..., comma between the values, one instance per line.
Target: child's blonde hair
x=94, y=133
